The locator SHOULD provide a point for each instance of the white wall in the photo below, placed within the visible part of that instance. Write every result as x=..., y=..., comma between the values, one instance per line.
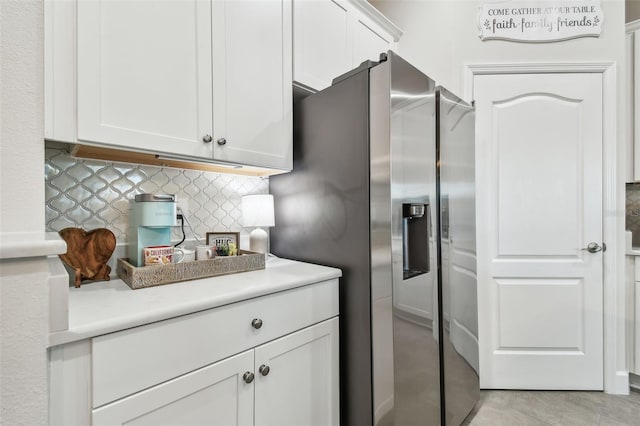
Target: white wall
x=24, y=324
x=22, y=147
x=441, y=36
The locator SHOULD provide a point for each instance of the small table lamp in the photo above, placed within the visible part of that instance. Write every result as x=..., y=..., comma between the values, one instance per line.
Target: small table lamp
x=257, y=210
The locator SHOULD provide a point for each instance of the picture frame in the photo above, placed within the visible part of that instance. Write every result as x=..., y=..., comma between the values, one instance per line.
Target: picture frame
x=218, y=238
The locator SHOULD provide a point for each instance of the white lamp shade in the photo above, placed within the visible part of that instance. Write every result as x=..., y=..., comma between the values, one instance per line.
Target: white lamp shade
x=257, y=210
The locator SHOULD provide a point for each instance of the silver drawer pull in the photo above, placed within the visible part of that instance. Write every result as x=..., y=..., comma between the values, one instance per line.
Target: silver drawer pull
x=256, y=323
x=264, y=370
x=248, y=377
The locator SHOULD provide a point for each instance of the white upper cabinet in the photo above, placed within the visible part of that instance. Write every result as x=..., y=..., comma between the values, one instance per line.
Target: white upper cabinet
x=321, y=41
x=144, y=75
x=252, y=82
x=332, y=37
x=369, y=40
x=200, y=79
x=633, y=100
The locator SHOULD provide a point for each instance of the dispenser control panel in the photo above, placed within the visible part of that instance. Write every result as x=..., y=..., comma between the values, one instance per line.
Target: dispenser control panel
x=413, y=210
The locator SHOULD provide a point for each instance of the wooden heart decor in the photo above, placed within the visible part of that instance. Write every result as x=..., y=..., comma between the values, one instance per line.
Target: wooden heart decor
x=88, y=253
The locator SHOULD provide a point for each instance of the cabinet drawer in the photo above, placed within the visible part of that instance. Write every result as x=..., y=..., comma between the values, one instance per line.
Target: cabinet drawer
x=129, y=361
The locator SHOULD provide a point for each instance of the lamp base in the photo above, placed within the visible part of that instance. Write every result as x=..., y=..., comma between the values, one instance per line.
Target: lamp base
x=259, y=241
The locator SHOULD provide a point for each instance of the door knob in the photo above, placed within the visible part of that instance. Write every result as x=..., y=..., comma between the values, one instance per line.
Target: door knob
x=248, y=377
x=256, y=323
x=221, y=141
x=207, y=138
x=595, y=247
x=264, y=370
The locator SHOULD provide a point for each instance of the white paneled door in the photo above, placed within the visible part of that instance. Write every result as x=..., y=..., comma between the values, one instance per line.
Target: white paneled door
x=539, y=204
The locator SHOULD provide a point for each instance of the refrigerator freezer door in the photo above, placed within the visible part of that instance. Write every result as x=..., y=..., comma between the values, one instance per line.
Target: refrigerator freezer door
x=406, y=380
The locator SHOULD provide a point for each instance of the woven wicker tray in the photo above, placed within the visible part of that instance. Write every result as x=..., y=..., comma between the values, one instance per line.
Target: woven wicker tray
x=149, y=276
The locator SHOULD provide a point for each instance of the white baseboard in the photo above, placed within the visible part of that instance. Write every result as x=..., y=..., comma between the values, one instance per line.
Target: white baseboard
x=620, y=386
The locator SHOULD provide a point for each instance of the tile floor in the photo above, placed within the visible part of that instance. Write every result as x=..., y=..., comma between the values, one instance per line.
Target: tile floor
x=524, y=408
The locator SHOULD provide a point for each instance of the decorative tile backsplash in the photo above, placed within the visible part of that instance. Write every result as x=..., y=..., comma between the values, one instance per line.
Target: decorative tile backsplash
x=633, y=211
x=93, y=194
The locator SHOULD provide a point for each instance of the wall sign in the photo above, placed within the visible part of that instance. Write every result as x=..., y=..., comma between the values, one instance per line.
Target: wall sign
x=540, y=21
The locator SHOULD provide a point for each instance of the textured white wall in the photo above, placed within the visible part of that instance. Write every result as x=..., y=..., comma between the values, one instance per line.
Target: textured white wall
x=23, y=283
x=24, y=326
x=22, y=129
x=441, y=36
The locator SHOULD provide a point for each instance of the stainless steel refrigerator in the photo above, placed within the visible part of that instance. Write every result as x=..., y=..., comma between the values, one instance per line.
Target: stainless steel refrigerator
x=383, y=188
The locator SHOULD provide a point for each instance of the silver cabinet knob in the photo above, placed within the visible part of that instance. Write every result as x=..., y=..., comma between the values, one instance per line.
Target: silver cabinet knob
x=594, y=247
x=256, y=323
x=222, y=141
x=207, y=138
x=264, y=370
x=248, y=377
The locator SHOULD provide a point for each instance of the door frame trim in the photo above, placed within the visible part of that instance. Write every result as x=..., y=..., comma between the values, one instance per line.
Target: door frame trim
x=616, y=375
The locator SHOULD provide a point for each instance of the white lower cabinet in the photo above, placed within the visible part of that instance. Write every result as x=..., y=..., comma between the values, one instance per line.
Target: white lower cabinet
x=270, y=360
x=294, y=380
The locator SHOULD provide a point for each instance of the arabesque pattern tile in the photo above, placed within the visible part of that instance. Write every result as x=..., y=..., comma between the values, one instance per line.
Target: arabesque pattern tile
x=93, y=194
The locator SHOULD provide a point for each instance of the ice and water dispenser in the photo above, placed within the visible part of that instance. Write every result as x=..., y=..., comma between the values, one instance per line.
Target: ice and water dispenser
x=415, y=239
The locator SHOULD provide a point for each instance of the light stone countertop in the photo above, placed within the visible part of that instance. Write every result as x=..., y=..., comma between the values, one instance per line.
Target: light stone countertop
x=109, y=306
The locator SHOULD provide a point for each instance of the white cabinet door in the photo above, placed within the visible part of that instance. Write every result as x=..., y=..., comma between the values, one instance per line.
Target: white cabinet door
x=636, y=97
x=331, y=37
x=213, y=395
x=320, y=42
x=144, y=74
x=633, y=105
x=301, y=386
x=631, y=159
x=368, y=41
x=252, y=82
